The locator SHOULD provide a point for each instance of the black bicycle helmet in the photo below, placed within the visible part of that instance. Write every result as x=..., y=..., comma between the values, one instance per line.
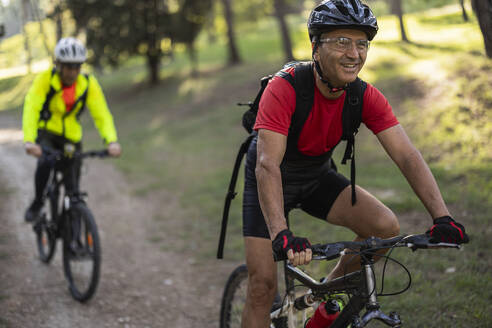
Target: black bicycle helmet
x=333, y=14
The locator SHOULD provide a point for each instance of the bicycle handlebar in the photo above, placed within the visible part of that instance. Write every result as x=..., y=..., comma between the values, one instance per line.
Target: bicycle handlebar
x=58, y=154
x=333, y=250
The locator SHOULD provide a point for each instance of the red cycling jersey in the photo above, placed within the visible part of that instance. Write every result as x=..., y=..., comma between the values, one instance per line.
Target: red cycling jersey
x=323, y=128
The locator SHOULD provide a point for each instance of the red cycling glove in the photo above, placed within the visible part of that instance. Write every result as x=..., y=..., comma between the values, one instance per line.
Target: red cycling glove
x=284, y=241
x=447, y=230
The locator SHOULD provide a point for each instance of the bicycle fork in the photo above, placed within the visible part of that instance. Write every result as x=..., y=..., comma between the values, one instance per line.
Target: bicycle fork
x=372, y=305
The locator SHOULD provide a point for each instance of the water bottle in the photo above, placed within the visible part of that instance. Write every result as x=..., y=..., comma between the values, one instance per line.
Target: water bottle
x=324, y=315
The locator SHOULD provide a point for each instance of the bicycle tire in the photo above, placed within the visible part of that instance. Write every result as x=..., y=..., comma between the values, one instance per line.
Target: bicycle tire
x=81, y=244
x=44, y=229
x=234, y=298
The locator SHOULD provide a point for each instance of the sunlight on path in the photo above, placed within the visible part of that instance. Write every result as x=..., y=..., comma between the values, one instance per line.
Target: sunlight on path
x=9, y=135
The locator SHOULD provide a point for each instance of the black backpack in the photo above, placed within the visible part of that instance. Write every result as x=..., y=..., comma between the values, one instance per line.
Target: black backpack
x=302, y=82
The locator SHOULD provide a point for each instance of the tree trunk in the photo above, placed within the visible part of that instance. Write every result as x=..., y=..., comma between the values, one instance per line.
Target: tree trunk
x=210, y=27
x=153, y=63
x=398, y=11
x=35, y=10
x=284, y=30
x=463, y=10
x=27, y=47
x=59, y=22
x=229, y=17
x=193, y=59
x=154, y=51
x=483, y=10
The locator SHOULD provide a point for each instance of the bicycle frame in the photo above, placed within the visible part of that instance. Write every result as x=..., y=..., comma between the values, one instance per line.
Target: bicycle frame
x=52, y=194
x=57, y=178
x=361, y=284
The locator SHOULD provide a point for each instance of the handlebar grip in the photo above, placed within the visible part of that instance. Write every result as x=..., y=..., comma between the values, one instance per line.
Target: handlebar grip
x=96, y=153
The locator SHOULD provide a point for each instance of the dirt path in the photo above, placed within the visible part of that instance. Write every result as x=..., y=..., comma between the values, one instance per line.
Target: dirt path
x=141, y=285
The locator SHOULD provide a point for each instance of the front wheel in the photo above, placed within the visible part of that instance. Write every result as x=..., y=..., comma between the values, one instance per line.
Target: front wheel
x=234, y=298
x=45, y=229
x=81, y=252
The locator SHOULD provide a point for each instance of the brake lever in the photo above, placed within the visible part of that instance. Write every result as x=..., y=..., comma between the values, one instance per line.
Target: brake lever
x=329, y=252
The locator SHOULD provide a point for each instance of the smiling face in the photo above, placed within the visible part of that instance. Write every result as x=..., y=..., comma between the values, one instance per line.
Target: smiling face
x=341, y=66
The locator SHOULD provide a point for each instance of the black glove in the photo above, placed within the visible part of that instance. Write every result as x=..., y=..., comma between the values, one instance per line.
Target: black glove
x=284, y=241
x=447, y=230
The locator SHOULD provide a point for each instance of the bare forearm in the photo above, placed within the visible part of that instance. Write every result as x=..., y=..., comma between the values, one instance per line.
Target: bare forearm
x=420, y=178
x=271, y=198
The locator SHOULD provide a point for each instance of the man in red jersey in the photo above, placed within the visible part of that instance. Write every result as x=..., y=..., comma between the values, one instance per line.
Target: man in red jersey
x=340, y=31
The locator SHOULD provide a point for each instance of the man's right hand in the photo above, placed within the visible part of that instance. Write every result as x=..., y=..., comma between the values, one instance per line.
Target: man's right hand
x=33, y=149
x=296, y=249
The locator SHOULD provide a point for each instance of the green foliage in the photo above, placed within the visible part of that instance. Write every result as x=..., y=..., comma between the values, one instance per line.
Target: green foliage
x=256, y=10
x=411, y=6
x=118, y=30
x=12, y=51
x=460, y=127
x=382, y=7
x=13, y=91
x=455, y=131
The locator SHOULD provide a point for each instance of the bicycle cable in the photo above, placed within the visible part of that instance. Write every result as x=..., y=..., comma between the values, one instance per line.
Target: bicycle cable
x=387, y=258
x=372, y=252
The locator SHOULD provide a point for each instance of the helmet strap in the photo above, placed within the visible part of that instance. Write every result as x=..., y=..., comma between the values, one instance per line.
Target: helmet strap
x=317, y=66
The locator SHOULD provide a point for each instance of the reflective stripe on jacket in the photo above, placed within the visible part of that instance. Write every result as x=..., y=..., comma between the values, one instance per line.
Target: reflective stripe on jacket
x=61, y=122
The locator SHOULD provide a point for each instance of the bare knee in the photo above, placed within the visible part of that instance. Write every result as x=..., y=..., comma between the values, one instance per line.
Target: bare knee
x=387, y=226
x=261, y=290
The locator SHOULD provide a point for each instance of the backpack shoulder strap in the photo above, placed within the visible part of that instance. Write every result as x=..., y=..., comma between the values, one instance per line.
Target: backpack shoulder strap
x=351, y=120
x=231, y=193
x=352, y=108
x=83, y=98
x=45, y=114
x=304, y=88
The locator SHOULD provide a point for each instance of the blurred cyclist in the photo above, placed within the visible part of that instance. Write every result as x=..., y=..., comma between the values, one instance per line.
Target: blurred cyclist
x=52, y=109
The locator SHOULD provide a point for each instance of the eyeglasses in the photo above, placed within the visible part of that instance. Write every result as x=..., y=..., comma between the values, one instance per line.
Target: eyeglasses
x=345, y=44
x=72, y=65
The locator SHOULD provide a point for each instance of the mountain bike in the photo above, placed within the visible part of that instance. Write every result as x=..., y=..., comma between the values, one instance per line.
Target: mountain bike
x=66, y=216
x=356, y=291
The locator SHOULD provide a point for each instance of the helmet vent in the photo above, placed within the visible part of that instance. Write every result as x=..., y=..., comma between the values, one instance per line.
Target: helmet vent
x=355, y=6
x=342, y=9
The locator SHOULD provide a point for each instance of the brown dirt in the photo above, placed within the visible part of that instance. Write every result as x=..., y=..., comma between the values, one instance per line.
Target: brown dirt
x=141, y=284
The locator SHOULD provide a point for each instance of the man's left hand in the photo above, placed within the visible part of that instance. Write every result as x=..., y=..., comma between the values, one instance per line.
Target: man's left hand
x=114, y=149
x=447, y=230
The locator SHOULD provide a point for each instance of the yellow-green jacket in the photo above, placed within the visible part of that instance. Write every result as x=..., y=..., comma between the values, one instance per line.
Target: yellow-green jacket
x=61, y=122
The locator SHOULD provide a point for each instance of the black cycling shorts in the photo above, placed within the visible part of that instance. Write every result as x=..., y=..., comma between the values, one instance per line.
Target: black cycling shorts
x=314, y=195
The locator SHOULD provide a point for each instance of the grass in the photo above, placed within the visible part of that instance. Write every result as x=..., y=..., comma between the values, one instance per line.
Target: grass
x=183, y=135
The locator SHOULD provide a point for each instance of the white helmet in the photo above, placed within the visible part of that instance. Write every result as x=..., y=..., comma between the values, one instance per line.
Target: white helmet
x=70, y=50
